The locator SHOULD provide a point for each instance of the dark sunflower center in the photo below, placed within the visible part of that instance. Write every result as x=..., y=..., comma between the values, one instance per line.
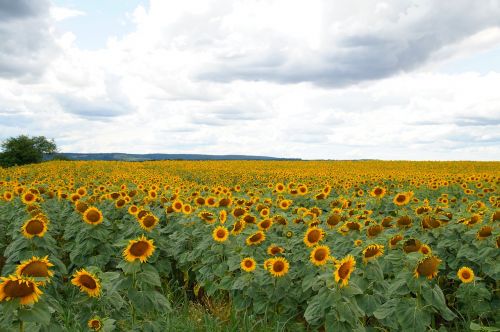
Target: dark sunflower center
x=248, y=263
x=404, y=221
x=178, y=206
x=237, y=227
x=275, y=250
x=93, y=216
x=401, y=198
x=314, y=236
x=139, y=248
x=95, y=324
x=378, y=191
x=353, y=225
x=29, y=197
x=320, y=255
x=88, y=281
x=120, y=203
x=374, y=230
x=142, y=214
x=265, y=224
x=36, y=269
x=18, y=289
x=81, y=207
x=465, y=274
x=34, y=227
x=278, y=266
x=412, y=246
x=333, y=220
x=427, y=267
x=344, y=270
x=148, y=221
x=238, y=212
x=256, y=237
x=485, y=231
x=371, y=251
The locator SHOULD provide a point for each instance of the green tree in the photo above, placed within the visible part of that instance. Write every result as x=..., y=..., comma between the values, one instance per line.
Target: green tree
x=23, y=150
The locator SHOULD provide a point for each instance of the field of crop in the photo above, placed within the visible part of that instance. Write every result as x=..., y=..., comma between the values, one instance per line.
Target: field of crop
x=335, y=246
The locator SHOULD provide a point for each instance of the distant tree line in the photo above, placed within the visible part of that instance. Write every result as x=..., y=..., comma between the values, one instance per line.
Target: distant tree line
x=24, y=150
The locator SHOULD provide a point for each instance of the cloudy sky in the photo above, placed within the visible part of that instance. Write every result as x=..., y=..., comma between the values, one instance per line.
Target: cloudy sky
x=315, y=79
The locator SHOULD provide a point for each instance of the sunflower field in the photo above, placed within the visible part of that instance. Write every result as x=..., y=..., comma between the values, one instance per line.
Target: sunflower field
x=312, y=245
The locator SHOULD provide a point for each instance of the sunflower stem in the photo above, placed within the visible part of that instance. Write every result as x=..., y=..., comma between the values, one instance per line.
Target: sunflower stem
x=21, y=326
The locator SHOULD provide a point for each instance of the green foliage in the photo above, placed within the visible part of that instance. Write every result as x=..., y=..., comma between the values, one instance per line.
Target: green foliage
x=24, y=150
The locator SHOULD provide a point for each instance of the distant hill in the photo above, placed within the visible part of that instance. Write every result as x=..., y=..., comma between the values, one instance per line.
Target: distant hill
x=162, y=156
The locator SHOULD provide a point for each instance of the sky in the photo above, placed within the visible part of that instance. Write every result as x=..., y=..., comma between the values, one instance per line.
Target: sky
x=312, y=79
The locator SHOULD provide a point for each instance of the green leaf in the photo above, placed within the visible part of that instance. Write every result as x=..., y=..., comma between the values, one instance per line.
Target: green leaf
x=386, y=309
x=411, y=317
x=435, y=297
x=39, y=313
x=476, y=327
x=150, y=276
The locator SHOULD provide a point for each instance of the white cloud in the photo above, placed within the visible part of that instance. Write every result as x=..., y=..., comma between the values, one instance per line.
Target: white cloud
x=143, y=92
x=62, y=13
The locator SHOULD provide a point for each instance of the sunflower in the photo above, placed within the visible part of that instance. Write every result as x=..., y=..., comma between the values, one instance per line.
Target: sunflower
x=207, y=216
x=378, y=192
x=465, y=274
x=427, y=267
x=353, y=225
x=95, y=323
x=177, y=205
x=344, y=269
x=484, y=232
x=36, y=267
x=222, y=216
x=87, y=282
x=220, y=234
x=265, y=224
x=248, y=264
x=425, y=249
x=187, y=209
x=274, y=250
x=404, y=222
x=120, y=203
x=401, y=199
x=148, y=222
x=238, y=212
x=81, y=206
x=238, y=227
x=92, y=216
x=278, y=266
x=372, y=252
x=303, y=190
x=374, y=230
x=140, y=248
x=319, y=255
x=411, y=245
x=28, y=198
x=133, y=210
x=280, y=187
x=19, y=287
x=474, y=219
x=358, y=242
x=256, y=238
x=34, y=227
x=285, y=204
x=313, y=236
x=8, y=196
x=333, y=220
